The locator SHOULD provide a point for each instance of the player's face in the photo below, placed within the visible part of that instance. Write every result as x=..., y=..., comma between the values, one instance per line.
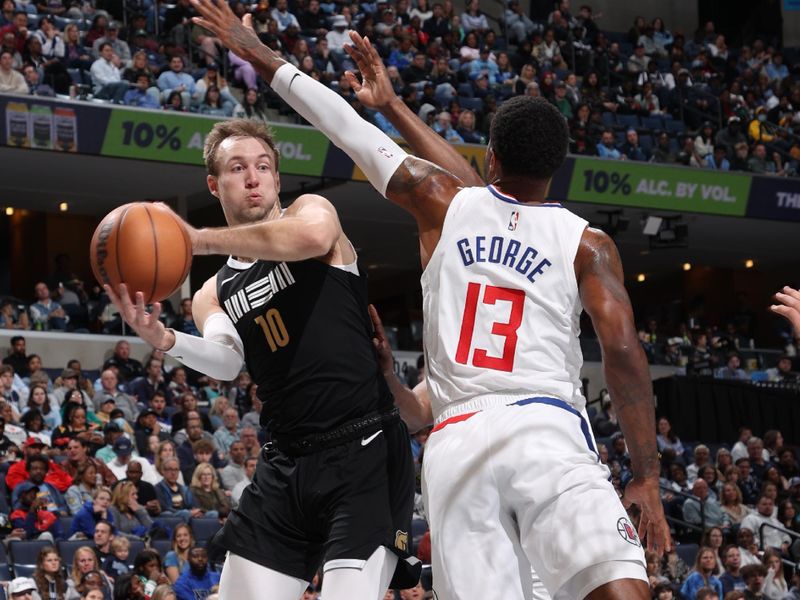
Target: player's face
x=247, y=184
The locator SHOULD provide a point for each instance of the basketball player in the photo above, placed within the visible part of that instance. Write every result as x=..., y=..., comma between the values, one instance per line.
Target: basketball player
x=335, y=486
x=511, y=473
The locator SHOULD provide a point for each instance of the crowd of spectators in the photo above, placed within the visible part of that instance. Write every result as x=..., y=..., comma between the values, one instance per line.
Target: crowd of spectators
x=650, y=94
x=734, y=510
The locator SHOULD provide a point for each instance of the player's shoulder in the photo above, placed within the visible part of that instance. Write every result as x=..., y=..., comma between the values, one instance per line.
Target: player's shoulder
x=306, y=202
x=596, y=250
x=207, y=294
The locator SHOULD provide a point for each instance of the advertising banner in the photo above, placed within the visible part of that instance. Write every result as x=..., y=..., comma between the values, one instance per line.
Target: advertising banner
x=644, y=185
x=775, y=198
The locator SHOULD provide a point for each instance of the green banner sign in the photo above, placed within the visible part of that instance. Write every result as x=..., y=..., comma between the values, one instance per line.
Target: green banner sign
x=177, y=138
x=645, y=185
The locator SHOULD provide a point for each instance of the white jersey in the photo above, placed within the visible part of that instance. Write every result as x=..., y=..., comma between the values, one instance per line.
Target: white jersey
x=501, y=303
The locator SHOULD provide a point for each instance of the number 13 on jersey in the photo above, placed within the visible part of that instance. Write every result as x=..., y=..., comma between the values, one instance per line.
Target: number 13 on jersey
x=491, y=295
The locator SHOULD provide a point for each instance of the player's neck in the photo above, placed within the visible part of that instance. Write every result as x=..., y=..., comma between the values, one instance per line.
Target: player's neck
x=523, y=189
x=274, y=213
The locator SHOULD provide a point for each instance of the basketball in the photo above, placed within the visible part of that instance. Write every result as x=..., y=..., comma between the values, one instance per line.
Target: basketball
x=144, y=246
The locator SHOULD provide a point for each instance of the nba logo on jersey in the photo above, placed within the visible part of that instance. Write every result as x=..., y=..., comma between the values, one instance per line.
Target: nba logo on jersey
x=512, y=223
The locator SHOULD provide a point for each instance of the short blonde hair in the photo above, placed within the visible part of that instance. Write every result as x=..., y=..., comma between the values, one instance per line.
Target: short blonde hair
x=236, y=128
x=199, y=471
x=120, y=542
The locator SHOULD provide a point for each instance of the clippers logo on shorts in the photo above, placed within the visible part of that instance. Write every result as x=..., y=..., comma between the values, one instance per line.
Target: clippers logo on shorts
x=259, y=292
x=627, y=532
x=401, y=540
x=512, y=223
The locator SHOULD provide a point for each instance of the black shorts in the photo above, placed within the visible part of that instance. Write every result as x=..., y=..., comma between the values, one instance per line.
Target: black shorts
x=340, y=503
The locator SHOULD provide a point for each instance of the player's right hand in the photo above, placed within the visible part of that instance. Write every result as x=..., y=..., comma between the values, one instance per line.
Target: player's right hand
x=788, y=307
x=653, y=528
x=146, y=325
x=375, y=91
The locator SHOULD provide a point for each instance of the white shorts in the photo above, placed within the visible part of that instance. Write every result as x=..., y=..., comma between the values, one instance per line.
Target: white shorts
x=519, y=486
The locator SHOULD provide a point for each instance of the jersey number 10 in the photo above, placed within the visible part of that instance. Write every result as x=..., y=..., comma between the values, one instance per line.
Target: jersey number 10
x=491, y=295
x=271, y=324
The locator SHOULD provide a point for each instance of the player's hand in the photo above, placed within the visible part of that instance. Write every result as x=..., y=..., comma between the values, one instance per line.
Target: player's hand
x=385, y=357
x=146, y=325
x=788, y=307
x=653, y=528
x=375, y=91
x=238, y=36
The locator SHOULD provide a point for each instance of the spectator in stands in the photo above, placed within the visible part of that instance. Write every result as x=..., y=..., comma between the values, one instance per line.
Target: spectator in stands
x=128, y=368
x=760, y=164
x=128, y=587
x=250, y=464
x=206, y=491
x=703, y=575
x=667, y=438
x=67, y=382
x=783, y=370
x=702, y=457
x=9, y=317
x=713, y=515
x=120, y=47
x=518, y=25
x=775, y=587
x=18, y=30
x=18, y=472
x=175, y=499
x=49, y=578
x=45, y=312
x=754, y=578
x=197, y=580
x=123, y=450
x=175, y=562
x=548, y=53
x=148, y=568
x=249, y=439
x=52, y=499
x=39, y=400
x=83, y=488
x=109, y=389
x=740, y=157
x=731, y=579
x=18, y=358
x=130, y=517
x=732, y=505
x=748, y=550
x=107, y=76
x=663, y=591
x=732, y=369
x=606, y=147
x=146, y=493
x=76, y=426
x=93, y=512
x=631, y=148
x=175, y=80
x=234, y=472
x=731, y=135
x=140, y=96
x=773, y=538
x=718, y=160
x=747, y=482
x=84, y=561
x=230, y=430
x=77, y=455
x=30, y=518
x=760, y=130
x=759, y=458
x=144, y=387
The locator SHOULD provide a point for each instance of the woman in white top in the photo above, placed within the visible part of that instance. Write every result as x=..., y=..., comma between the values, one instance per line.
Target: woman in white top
x=775, y=587
x=421, y=10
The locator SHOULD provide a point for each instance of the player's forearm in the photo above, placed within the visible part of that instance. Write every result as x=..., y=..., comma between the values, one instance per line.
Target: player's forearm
x=263, y=59
x=426, y=143
x=628, y=380
x=287, y=239
x=415, y=409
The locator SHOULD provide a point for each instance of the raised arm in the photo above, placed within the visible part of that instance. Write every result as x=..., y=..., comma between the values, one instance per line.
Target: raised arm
x=600, y=279
x=422, y=188
x=375, y=91
x=789, y=307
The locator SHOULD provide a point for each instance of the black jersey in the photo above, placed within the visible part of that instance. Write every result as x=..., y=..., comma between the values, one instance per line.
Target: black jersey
x=307, y=340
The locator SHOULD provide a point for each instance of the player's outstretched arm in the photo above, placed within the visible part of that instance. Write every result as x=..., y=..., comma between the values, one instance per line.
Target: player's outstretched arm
x=789, y=307
x=414, y=405
x=602, y=291
x=219, y=353
x=375, y=91
x=420, y=187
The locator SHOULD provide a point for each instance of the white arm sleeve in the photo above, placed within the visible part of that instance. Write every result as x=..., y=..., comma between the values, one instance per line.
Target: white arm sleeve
x=371, y=149
x=219, y=353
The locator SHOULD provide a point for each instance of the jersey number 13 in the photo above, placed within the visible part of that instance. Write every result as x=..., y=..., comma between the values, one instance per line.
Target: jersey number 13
x=491, y=295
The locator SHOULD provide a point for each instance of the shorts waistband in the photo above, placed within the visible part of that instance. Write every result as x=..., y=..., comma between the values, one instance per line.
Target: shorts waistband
x=310, y=444
x=486, y=402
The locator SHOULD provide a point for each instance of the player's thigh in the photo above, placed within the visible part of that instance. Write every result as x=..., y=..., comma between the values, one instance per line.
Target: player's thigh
x=475, y=550
x=242, y=578
x=344, y=580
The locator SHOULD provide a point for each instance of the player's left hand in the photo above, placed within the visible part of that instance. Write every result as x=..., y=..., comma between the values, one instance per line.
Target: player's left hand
x=788, y=307
x=385, y=357
x=375, y=91
x=653, y=528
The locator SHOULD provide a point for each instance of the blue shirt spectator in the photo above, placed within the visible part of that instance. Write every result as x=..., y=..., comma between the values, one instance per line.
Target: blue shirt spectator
x=175, y=79
x=606, y=148
x=196, y=582
x=484, y=66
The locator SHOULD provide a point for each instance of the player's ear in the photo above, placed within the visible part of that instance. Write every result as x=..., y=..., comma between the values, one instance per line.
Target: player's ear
x=211, y=181
x=277, y=182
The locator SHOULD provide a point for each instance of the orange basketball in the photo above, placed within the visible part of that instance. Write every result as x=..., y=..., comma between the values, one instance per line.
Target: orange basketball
x=144, y=246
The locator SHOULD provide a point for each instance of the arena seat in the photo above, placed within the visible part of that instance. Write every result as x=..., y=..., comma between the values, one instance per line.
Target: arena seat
x=23, y=555
x=687, y=553
x=204, y=529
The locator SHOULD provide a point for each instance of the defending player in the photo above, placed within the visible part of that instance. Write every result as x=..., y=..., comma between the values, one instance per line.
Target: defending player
x=335, y=485
x=512, y=477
